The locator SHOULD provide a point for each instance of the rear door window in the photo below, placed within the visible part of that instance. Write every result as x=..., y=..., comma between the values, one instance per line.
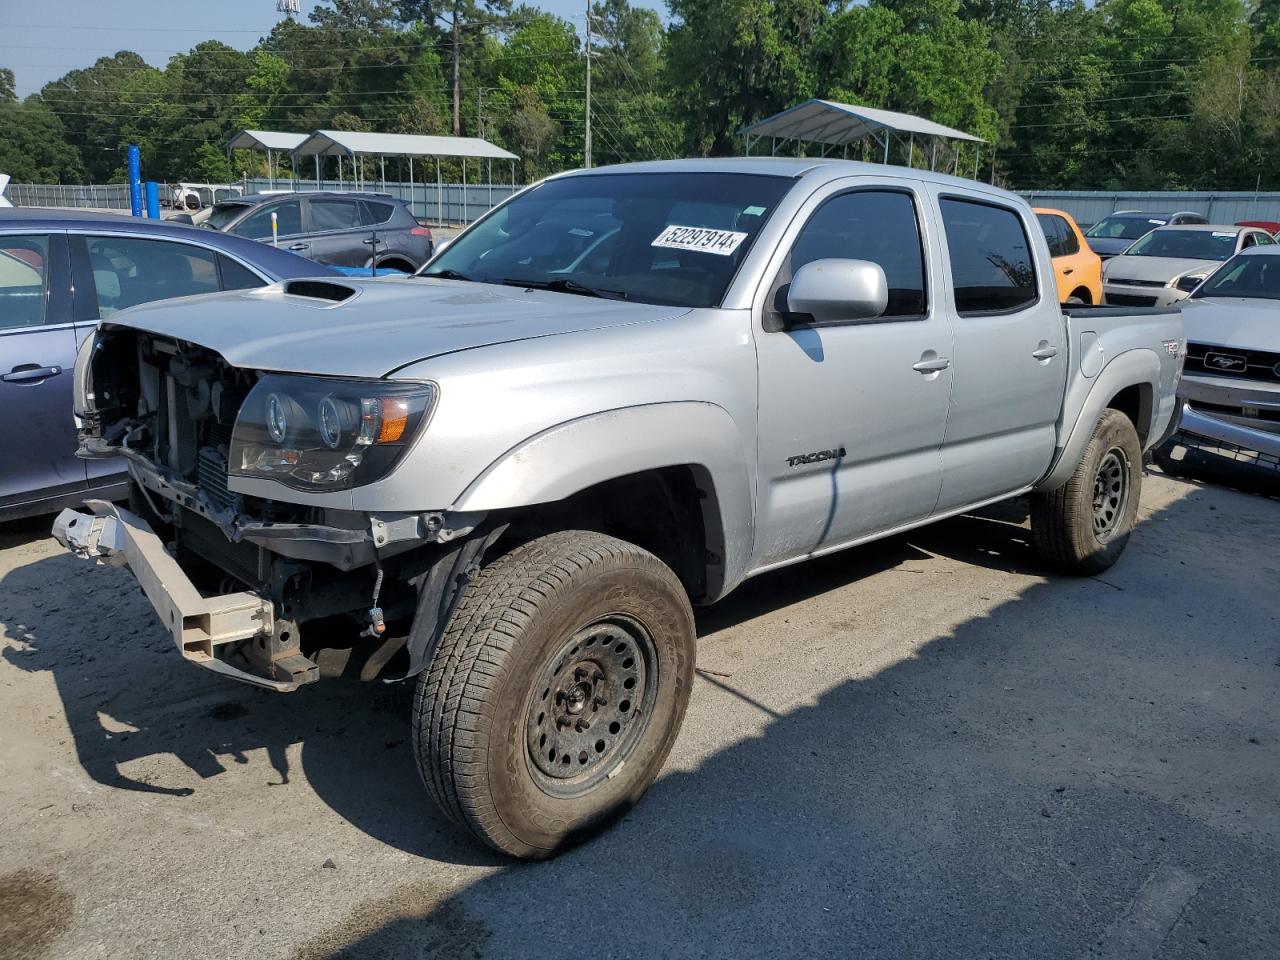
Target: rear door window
x=24, y=273
x=332, y=214
x=1055, y=233
x=991, y=264
x=128, y=271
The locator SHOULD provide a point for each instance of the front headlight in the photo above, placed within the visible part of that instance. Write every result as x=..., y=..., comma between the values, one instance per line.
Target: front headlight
x=311, y=433
x=1187, y=284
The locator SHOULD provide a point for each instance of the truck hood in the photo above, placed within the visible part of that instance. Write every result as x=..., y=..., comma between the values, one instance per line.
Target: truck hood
x=1233, y=322
x=1164, y=269
x=384, y=325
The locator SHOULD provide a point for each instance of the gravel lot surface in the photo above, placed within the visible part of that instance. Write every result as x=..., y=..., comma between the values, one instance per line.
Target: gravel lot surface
x=921, y=748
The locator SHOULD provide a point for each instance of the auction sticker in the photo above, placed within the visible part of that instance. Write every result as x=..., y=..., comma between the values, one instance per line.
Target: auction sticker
x=700, y=239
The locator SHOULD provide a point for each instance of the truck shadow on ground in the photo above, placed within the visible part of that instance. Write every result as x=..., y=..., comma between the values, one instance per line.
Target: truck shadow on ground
x=1088, y=768
x=1015, y=789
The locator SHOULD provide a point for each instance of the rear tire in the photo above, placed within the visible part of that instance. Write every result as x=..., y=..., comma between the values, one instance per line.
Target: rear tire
x=1082, y=527
x=556, y=692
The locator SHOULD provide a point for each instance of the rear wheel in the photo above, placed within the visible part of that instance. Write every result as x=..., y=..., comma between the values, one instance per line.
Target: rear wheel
x=1082, y=527
x=556, y=692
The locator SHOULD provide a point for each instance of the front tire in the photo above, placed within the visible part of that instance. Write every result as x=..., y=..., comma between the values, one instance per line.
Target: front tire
x=556, y=692
x=1082, y=527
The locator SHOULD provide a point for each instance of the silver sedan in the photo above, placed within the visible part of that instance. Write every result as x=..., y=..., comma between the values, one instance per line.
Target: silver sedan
x=1168, y=263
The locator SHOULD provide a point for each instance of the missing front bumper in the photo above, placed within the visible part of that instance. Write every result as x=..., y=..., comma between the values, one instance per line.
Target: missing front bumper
x=201, y=626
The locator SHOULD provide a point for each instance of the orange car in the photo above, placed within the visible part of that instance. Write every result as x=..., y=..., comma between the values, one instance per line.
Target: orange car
x=1078, y=269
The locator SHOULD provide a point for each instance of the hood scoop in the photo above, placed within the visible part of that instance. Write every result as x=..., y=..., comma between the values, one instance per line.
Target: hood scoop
x=319, y=290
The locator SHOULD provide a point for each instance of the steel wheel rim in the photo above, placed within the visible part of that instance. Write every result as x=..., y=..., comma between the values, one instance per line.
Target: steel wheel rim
x=1110, y=494
x=590, y=706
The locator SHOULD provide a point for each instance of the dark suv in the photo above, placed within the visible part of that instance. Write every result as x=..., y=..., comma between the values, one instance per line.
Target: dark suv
x=342, y=229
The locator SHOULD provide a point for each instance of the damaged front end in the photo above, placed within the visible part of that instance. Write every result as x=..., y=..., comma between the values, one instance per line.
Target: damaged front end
x=236, y=576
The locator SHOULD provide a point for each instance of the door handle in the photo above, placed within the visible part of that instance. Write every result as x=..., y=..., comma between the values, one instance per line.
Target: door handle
x=931, y=364
x=1045, y=352
x=1068, y=270
x=299, y=246
x=25, y=374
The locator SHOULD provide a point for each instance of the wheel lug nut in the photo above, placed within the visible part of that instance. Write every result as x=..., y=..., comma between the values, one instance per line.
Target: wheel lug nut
x=599, y=701
x=579, y=673
x=597, y=677
x=582, y=724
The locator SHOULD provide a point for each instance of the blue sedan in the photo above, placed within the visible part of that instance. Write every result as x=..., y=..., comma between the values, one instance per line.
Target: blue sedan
x=60, y=273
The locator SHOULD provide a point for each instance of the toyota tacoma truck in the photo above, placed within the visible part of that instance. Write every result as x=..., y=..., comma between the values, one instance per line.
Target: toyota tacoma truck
x=623, y=392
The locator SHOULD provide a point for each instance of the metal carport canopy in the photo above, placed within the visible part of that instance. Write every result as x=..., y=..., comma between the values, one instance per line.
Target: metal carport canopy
x=330, y=143
x=265, y=140
x=825, y=121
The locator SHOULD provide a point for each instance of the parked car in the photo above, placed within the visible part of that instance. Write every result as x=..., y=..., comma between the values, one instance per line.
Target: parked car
x=1112, y=235
x=1169, y=262
x=547, y=450
x=60, y=274
x=1230, y=389
x=1077, y=268
x=1271, y=226
x=342, y=229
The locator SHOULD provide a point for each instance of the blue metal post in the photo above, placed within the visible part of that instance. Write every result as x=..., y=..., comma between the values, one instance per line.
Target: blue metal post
x=135, y=180
x=153, y=200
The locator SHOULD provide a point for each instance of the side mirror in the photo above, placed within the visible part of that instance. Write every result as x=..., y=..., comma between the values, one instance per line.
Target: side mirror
x=182, y=218
x=839, y=290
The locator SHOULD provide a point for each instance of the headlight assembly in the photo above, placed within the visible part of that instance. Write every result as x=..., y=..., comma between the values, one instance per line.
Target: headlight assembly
x=312, y=433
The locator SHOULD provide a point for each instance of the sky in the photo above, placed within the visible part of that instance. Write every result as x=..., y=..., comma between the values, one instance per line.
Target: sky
x=41, y=41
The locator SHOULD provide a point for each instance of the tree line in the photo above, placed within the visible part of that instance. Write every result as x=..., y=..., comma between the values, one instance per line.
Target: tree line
x=1132, y=94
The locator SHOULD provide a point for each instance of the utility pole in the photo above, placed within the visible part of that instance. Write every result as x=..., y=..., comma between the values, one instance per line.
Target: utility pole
x=457, y=74
x=586, y=147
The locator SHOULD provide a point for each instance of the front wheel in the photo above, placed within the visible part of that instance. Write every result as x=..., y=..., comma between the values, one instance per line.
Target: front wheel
x=556, y=692
x=1082, y=527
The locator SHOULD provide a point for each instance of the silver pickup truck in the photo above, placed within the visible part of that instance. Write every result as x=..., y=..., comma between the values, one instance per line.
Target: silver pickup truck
x=624, y=391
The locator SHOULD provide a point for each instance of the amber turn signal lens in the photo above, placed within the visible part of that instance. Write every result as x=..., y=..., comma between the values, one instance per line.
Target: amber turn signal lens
x=395, y=418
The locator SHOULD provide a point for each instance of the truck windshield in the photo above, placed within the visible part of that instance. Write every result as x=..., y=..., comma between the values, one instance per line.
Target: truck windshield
x=1255, y=277
x=1186, y=244
x=666, y=238
x=1124, y=228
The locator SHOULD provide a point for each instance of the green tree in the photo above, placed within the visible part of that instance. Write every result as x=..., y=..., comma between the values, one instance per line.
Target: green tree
x=211, y=165
x=7, y=85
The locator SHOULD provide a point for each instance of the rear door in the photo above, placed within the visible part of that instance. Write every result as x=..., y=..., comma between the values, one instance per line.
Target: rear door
x=337, y=232
x=1010, y=352
x=37, y=353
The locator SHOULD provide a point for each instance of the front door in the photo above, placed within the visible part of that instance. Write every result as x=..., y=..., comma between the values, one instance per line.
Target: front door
x=851, y=415
x=1010, y=360
x=37, y=354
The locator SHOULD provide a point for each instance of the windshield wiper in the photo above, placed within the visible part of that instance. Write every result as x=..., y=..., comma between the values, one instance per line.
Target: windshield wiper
x=565, y=285
x=445, y=275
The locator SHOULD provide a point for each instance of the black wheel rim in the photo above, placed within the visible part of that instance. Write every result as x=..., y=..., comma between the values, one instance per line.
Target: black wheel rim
x=1110, y=494
x=591, y=705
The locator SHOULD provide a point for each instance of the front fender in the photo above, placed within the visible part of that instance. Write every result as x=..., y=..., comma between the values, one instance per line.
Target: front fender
x=1139, y=367
x=573, y=456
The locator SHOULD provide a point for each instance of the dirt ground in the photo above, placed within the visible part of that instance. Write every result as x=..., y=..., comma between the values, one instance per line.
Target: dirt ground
x=921, y=748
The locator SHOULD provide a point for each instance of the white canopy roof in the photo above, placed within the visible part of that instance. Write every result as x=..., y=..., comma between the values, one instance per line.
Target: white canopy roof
x=825, y=121
x=265, y=140
x=329, y=143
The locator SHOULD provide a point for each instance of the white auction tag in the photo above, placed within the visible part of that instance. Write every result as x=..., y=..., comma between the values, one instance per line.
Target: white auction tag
x=700, y=239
